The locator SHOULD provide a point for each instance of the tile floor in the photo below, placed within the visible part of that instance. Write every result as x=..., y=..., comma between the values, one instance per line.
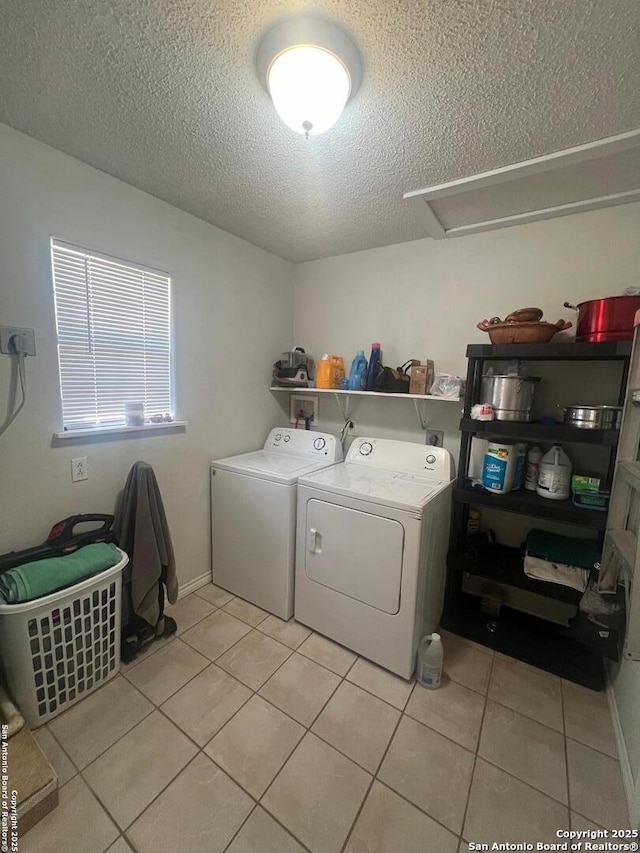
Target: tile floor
x=247, y=734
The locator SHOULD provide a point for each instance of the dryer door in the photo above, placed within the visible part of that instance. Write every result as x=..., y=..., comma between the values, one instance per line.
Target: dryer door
x=356, y=553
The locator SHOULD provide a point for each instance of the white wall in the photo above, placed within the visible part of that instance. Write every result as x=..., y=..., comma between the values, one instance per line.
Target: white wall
x=624, y=695
x=423, y=299
x=233, y=316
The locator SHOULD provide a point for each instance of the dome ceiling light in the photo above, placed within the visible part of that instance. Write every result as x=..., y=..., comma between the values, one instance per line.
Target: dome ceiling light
x=311, y=68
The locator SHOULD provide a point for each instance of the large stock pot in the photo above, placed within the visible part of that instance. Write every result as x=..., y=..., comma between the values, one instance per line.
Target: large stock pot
x=609, y=319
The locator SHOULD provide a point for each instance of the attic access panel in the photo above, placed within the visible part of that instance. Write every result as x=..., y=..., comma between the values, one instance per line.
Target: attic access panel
x=591, y=176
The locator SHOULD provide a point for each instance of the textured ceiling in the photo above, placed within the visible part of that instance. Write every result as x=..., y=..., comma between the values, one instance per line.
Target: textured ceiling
x=163, y=94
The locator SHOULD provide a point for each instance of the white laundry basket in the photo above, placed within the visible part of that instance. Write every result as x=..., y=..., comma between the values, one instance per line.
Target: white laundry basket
x=58, y=649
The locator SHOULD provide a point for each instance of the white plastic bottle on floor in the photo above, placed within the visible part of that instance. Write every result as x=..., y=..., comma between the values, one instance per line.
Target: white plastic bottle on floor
x=430, y=657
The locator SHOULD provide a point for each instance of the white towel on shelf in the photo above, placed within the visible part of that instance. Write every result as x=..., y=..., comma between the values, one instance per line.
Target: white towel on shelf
x=545, y=570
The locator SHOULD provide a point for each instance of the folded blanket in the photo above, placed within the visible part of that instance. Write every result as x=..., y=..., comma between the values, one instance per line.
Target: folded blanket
x=546, y=570
x=42, y=577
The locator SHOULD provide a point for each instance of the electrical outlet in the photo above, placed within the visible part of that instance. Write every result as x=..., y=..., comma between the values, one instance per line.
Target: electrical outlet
x=79, y=469
x=435, y=437
x=28, y=335
x=308, y=404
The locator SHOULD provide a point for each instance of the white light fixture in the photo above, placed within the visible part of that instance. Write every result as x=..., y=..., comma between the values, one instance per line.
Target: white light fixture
x=311, y=68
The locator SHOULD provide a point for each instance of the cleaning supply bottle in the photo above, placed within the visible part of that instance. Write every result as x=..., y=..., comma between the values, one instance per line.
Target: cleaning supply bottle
x=499, y=467
x=554, y=475
x=358, y=372
x=533, y=463
x=374, y=361
x=521, y=467
x=473, y=521
x=430, y=657
x=323, y=373
x=337, y=372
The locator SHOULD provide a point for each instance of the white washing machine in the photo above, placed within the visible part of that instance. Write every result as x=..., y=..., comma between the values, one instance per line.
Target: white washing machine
x=253, y=515
x=372, y=537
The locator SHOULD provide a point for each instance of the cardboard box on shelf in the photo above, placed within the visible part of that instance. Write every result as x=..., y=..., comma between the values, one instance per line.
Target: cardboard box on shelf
x=421, y=377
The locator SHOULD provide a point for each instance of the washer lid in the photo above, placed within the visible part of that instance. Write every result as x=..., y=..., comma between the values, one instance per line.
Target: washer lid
x=278, y=467
x=388, y=488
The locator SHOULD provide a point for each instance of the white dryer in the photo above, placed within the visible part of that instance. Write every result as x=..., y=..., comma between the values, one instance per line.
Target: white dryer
x=253, y=515
x=372, y=537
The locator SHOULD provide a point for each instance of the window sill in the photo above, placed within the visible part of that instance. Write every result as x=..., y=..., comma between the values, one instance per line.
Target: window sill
x=120, y=428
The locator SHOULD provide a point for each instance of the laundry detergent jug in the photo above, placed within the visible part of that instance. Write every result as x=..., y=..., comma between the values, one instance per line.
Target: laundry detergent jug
x=533, y=464
x=374, y=361
x=337, y=372
x=358, y=372
x=499, y=467
x=323, y=373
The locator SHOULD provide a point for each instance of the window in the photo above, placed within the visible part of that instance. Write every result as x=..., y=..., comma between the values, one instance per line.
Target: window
x=114, y=337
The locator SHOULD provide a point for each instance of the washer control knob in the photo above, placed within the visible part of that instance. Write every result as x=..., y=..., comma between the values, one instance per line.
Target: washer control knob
x=287, y=438
x=278, y=436
x=431, y=459
x=366, y=448
x=319, y=443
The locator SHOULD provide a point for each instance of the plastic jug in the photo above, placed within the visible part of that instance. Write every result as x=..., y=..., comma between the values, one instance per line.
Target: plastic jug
x=358, y=372
x=521, y=466
x=554, y=475
x=499, y=467
x=430, y=658
x=374, y=361
x=323, y=373
x=533, y=464
x=337, y=372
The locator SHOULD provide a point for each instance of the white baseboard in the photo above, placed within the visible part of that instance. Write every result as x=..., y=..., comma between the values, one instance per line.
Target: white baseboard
x=625, y=764
x=193, y=585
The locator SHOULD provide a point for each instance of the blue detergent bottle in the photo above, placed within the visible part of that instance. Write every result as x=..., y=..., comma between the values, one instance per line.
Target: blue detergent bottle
x=374, y=361
x=358, y=372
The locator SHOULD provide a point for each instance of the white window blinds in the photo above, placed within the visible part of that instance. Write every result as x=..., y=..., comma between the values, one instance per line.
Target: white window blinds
x=114, y=337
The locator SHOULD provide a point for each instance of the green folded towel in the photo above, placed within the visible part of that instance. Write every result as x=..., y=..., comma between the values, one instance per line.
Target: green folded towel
x=42, y=577
x=571, y=551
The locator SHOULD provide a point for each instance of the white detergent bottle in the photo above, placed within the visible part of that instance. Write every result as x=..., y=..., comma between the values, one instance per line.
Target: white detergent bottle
x=533, y=464
x=499, y=467
x=430, y=657
x=554, y=475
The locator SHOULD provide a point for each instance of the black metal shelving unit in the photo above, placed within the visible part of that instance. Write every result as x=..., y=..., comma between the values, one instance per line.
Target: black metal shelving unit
x=555, y=434
x=574, y=651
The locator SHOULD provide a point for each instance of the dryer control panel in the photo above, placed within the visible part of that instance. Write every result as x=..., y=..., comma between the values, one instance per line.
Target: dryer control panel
x=303, y=442
x=405, y=457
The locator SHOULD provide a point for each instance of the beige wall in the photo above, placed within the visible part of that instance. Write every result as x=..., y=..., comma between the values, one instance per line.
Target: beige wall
x=232, y=317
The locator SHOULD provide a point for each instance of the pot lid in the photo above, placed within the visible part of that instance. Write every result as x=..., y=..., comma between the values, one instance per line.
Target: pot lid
x=634, y=296
x=593, y=408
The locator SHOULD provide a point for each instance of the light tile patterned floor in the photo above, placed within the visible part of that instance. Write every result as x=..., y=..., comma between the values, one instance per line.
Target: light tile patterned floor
x=246, y=734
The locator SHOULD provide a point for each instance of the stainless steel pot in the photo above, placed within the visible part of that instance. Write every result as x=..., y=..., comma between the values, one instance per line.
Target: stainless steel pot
x=510, y=396
x=592, y=417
